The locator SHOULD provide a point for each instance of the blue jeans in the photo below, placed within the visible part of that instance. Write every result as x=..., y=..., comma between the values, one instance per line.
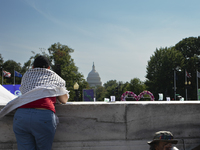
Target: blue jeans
x=34, y=128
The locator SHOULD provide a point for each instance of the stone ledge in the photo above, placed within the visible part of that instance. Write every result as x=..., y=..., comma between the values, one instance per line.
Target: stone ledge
x=116, y=125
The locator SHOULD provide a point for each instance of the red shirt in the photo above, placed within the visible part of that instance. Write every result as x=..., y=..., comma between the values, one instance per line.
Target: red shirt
x=47, y=103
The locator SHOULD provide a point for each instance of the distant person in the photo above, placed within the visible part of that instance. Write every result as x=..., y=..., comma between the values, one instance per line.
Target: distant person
x=163, y=140
x=35, y=122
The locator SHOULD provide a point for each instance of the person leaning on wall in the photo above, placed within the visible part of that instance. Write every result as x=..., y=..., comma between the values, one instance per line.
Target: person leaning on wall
x=163, y=140
x=35, y=122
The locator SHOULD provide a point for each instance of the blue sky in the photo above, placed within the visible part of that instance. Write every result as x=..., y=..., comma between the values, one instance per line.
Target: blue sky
x=119, y=36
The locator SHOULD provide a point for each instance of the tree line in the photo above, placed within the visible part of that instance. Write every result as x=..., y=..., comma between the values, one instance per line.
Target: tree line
x=181, y=58
x=159, y=78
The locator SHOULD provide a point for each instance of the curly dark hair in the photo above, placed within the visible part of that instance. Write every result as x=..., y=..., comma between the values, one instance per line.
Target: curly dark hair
x=41, y=62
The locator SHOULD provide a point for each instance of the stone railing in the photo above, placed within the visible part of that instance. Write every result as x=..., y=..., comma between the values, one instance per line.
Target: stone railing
x=117, y=125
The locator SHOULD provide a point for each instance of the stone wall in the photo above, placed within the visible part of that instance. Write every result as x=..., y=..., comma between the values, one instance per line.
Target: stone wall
x=117, y=125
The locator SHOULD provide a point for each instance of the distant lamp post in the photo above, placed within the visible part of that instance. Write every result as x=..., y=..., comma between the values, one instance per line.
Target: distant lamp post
x=175, y=77
x=76, y=86
x=187, y=85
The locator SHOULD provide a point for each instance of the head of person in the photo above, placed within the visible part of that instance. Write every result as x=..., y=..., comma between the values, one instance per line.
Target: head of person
x=162, y=140
x=41, y=62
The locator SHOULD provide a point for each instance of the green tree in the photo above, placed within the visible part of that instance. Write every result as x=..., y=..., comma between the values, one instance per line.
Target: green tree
x=110, y=88
x=190, y=48
x=27, y=65
x=100, y=93
x=136, y=86
x=110, y=83
x=63, y=64
x=1, y=65
x=124, y=87
x=1, y=61
x=114, y=88
x=10, y=66
x=160, y=71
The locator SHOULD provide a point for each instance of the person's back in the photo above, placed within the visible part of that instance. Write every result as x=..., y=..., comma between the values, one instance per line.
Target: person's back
x=35, y=122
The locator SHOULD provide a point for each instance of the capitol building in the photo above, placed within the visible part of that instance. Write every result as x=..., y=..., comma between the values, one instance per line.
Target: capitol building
x=93, y=78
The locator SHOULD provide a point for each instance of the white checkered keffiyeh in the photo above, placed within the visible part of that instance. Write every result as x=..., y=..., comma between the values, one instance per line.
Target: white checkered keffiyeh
x=37, y=77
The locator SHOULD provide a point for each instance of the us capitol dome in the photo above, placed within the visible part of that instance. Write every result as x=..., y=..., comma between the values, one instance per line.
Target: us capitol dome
x=93, y=78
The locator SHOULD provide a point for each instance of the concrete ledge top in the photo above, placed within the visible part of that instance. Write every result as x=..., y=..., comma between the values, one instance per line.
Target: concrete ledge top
x=128, y=102
x=134, y=102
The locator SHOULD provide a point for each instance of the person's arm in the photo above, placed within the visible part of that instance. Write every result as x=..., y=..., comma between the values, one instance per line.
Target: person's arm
x=63, y=98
